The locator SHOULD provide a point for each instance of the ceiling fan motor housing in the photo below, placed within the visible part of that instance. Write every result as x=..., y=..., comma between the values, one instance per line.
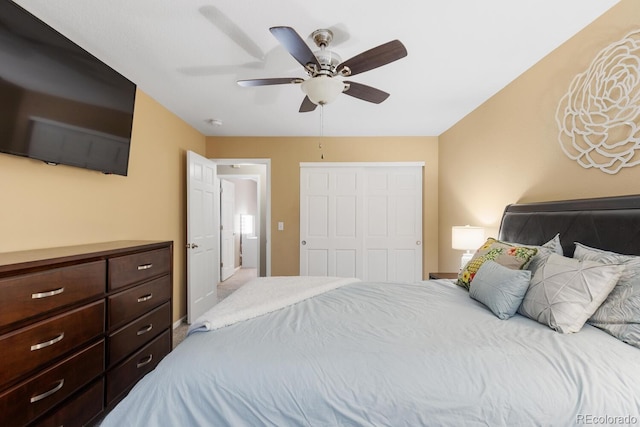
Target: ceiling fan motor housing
x=328, y=59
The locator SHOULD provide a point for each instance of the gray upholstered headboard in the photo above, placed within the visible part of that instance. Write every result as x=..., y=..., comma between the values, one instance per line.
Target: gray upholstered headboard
x=610, y=223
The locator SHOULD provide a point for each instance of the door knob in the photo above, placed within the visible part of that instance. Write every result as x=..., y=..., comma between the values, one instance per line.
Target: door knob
x=418, y=242
x=304, y=242
x=191, y=246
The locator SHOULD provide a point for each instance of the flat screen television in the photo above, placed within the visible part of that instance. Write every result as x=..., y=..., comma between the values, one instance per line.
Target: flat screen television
x=59, y=103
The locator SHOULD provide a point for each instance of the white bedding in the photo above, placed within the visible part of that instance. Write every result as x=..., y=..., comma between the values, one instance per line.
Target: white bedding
x=382, y=354
x=264, y=295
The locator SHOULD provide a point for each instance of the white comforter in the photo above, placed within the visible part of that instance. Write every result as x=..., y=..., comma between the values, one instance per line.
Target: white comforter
x=264, y=295
x=382, y=354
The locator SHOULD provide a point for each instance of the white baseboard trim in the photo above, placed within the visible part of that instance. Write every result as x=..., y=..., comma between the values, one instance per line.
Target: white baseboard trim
x=179, y=322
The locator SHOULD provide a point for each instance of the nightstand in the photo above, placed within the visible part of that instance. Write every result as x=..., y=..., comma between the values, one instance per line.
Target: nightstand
x=433, y=276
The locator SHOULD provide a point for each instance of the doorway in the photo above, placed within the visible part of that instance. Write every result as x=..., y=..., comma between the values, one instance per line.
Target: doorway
x=239, y=204
x=251, y=178
x=203, y=225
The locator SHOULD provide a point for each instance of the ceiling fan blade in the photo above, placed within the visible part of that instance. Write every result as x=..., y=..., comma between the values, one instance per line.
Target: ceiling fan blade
x=294, y=44
x=373, y=58
x=307, y=105
x=366, y=93
x=269, y=82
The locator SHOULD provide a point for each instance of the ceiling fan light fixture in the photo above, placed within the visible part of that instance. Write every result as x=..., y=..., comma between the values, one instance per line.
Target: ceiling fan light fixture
x=322, y=89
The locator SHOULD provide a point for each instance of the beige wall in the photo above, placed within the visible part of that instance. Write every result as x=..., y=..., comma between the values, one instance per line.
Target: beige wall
x=507, y=150
x=46, y=206
x=286, y=155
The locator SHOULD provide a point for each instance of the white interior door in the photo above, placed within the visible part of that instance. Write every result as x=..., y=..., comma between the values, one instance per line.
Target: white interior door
x=393, y=224
x=331, y=235
x=361, y=220
x=227, y=234
x=203, y=218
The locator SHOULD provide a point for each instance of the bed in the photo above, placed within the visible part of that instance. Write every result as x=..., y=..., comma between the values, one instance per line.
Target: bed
x=349, y=353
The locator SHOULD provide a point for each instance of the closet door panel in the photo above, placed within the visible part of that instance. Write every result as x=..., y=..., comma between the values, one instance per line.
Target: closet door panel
x=361, y=220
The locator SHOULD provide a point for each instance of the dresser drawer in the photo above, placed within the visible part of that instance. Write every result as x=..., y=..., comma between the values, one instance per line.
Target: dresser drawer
x=25, y=349
x=79, y=411
x=137, y=333
x=125, y=375
x=26, y=401
x=129, y=269
x=127, y=305
x=32, y=294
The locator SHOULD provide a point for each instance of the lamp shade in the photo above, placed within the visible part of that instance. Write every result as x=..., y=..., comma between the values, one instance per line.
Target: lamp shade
x=322, y=89
x=466, y=237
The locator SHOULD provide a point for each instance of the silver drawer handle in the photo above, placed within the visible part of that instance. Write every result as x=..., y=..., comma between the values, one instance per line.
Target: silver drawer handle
x=47, y=343
x=145, y=361
x=145, y=266
x=145, y=298
x=46, y=394
x=145, y=329
x=47, y=294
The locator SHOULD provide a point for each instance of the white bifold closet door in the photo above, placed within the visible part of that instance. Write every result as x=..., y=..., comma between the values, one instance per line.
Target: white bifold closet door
x=361, y=220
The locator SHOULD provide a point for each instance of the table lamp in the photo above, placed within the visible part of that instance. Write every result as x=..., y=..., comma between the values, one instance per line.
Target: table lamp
x=466, y=238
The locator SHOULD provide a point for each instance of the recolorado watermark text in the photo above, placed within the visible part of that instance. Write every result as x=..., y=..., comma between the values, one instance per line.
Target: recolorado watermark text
x=606, y=420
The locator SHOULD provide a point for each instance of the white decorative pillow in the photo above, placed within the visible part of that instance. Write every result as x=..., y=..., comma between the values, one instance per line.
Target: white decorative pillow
x=619, y=315
x=565, y=292
x=500, y=288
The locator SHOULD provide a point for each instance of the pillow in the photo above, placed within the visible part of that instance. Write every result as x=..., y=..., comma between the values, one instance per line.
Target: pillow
x=500, y=288
x=552, y=246
x=565, y=292
x=505, y=254
x=619, y=315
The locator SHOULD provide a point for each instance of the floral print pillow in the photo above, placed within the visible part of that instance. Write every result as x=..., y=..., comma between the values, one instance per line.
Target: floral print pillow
x=505, y=254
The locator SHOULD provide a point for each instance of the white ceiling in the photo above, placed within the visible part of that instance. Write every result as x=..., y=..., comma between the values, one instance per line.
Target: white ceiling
x=460, y=53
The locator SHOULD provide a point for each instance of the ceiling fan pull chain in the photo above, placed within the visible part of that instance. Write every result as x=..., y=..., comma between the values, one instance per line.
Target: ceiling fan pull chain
x=321, y=131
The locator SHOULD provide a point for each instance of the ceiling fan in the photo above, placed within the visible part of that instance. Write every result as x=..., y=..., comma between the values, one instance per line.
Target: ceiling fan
x=324, y=68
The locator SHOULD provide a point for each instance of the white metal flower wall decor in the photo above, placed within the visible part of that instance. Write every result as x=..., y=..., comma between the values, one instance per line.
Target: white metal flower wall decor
x=599, y=117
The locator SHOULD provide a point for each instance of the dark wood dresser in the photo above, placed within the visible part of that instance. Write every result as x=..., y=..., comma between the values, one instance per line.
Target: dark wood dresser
x=79, y=326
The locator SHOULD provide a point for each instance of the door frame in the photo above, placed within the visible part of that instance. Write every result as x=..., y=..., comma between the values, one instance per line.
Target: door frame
x=359, y=164
x=258, y=228
x=267, y=210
